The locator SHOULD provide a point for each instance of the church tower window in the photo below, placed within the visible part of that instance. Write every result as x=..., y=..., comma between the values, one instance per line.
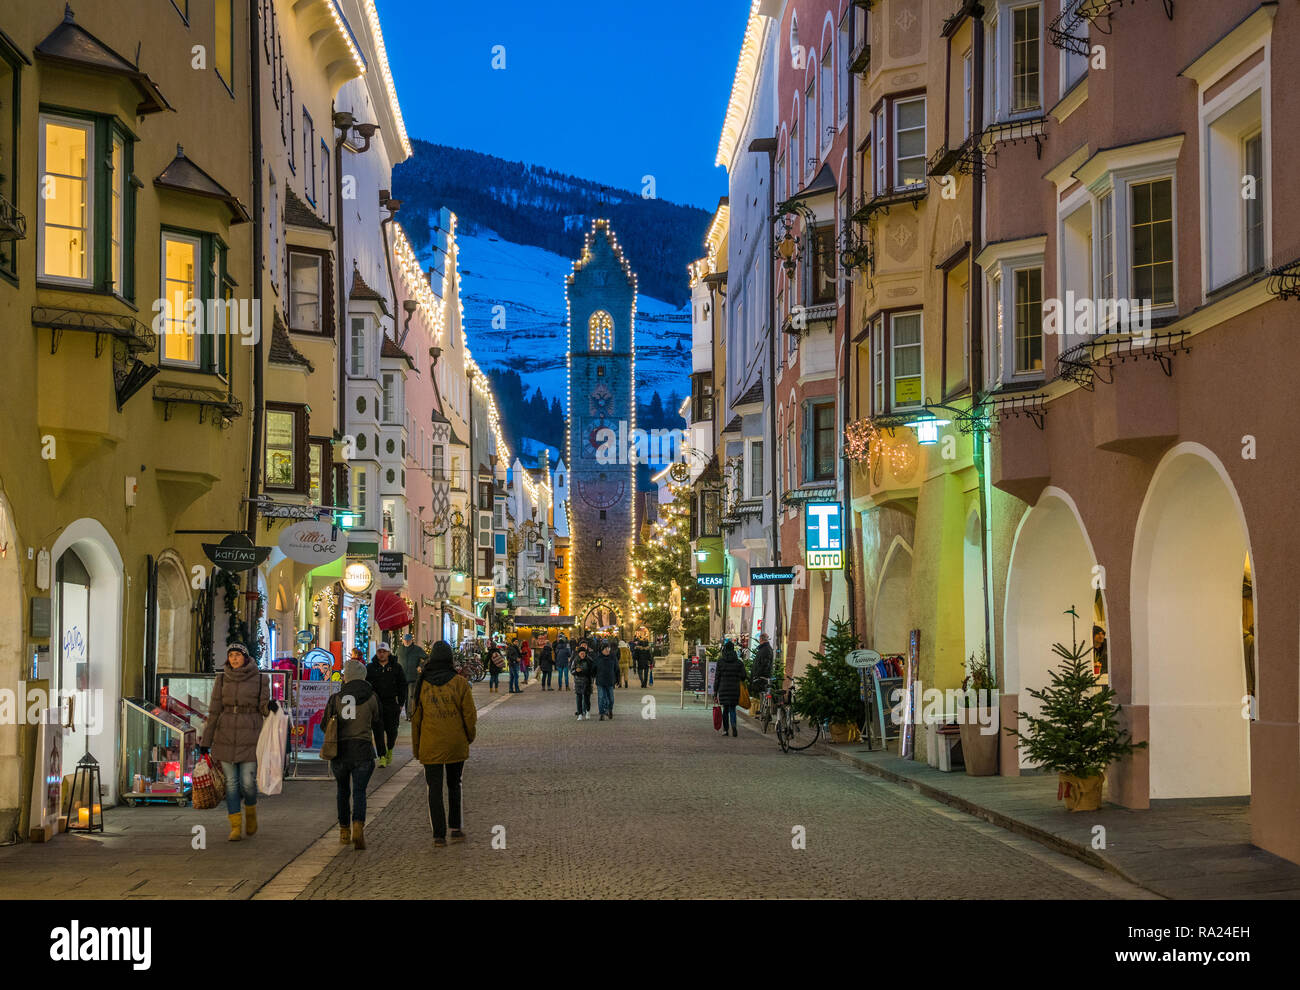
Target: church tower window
x=600, y=331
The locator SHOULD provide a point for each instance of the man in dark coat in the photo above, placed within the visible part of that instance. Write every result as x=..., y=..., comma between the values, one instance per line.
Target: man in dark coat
x=607, y=675
x=389, y=681
x=642, y=655
x=730, y=675
x=546, y=664
x=512, y=660
x=761, y=676
x=562, y=656
x=413, y=660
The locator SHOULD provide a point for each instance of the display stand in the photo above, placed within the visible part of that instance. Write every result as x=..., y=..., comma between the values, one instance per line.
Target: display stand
x=694, y=679
x=879, y=682
x=306, y=718
x=158, y=753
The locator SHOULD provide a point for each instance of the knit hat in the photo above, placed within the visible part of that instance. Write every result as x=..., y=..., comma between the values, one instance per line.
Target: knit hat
x=354, y=670
x=238, y=648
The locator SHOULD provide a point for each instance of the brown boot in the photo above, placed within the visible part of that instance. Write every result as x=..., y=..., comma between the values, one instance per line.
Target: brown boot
x=358, y=836
x=236, y=821
x=345, y=835
x=250, y=819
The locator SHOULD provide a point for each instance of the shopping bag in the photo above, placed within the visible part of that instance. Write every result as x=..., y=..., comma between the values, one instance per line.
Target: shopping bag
x=744, y=696
x=717, y=717
x=270, y=753
x=208, y=784
x=329, y=748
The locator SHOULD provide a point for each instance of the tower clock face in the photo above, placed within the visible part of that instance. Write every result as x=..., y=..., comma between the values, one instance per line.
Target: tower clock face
x=602, y=401
x=602, y=493
x=597, y=440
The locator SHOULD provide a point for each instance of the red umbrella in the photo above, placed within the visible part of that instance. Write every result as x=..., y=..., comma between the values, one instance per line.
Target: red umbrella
x=391, y=610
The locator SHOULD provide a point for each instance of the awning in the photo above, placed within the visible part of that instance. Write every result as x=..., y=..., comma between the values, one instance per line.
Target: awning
x=391, y=611
x=461, y=612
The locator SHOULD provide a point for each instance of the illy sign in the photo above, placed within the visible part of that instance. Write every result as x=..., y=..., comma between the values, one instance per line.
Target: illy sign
x=313, y=542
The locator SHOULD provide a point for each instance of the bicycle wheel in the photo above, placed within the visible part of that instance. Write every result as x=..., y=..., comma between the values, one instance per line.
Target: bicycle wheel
x=765, y=713
x=805, y=738
x=783, y=732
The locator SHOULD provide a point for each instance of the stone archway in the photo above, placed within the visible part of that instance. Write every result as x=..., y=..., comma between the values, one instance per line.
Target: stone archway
x=175, y=637
x=1051, y=571
x=1191, y=554
x=600, y=614
x=891, y=622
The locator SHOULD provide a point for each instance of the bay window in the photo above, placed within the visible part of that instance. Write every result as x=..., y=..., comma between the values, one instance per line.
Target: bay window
x=899, y=142
x=1029, y=320
x=359, y=497
x=67, y=201
x=1236, y=186
x=821, y=267
x=1013, y=342
x=754, y=487
x=286, y=467
x=358, y=365
x=319, y=471
x=192, y=308
x=1015, y=58
x=1151, y=231
x=897, y=362
x=306, y=292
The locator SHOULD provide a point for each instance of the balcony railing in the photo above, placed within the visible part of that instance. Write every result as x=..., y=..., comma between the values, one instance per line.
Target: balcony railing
x=13, y=225
x=1093, y=360
x=867, y=208
x=137, y=337
x=1069, y=29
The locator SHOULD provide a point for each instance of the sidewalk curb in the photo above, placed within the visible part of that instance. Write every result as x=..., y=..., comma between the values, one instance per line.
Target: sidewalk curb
x=1052, y=841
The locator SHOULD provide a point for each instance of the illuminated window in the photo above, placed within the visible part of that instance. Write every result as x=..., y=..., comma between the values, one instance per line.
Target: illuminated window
x=600, y=331
x=283, y=442
x=182, y=299
x=225, y=35
x=66, y=202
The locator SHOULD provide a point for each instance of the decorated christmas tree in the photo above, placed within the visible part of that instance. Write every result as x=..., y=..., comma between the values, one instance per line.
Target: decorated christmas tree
x=662, y=557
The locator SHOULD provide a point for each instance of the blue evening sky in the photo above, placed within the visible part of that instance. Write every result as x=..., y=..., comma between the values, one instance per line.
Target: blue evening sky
x=607, y=90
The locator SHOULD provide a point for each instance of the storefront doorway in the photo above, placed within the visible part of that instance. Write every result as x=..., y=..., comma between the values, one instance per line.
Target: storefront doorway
x=891, y=623
x=1191, y=559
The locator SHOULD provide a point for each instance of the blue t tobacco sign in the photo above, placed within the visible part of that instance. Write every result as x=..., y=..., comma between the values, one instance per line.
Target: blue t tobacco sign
x=823, y=536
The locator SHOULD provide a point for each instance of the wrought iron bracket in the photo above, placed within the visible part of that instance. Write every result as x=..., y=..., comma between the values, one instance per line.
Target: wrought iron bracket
x=1284, y=280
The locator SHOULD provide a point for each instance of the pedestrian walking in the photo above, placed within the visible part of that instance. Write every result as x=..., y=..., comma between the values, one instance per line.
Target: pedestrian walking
x=584, y=673
x=607, y=675
x=730, y=675
x=546, y=664
x=389, y=682
x=525, y=657
x=512, y=660
x=624, y=662
x=563, y=653
x=241, y=700
x=642, y=655
x=445, y=723
x=413, y=657
x=360, y=736
x=496, y=664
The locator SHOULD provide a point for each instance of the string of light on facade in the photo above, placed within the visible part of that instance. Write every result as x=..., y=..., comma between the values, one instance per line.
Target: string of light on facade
x=372, y=15
x=417, y=284
x=741, y=88
x=345, y=33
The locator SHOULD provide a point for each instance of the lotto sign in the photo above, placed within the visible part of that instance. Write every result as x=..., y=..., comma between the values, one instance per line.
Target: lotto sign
x=823, y=536
x=741, y=597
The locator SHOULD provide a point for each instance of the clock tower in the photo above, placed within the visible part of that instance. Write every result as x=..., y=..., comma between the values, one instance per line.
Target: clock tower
x=601, y=293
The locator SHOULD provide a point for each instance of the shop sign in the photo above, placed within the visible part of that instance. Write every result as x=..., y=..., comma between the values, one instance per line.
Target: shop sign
x=771, y=575
x=390, y=562
x=862, y=658
x=741, y=597
x=823, y=536
x=313, y=542
x=711, y=580
x=693, y=675
x=357, y=578
x=487, y=591
x=236, y=553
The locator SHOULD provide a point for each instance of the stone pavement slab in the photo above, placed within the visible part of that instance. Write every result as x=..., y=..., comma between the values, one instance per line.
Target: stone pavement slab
x=1181, y=850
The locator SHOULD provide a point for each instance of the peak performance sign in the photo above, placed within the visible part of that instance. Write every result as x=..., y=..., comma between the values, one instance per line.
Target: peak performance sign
x=823, y=536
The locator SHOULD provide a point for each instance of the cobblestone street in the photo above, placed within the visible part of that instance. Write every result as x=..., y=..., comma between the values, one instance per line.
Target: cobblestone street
x=666, y=807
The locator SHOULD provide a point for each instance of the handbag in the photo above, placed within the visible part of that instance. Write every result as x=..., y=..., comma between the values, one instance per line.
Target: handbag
x=208, y=784
x=717, y=717
x=329, y=749
x=744, y=696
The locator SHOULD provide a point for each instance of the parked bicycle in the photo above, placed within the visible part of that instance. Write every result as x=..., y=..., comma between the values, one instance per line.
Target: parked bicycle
x=790, y=733
x=766, y=705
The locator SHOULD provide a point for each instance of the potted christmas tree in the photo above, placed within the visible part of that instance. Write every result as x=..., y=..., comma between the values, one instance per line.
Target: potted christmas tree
x=979, y=734
x=830, y=690
x=1077, y=732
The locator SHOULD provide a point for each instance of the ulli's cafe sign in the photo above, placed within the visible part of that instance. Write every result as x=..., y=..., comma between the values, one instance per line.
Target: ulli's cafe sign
x=313, y=542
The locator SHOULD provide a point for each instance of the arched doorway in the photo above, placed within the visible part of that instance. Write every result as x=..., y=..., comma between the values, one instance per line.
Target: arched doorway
x=86, y=643
x=601, y=615
x=175, y=639
x=972, y=566
x=891, y=622
x=1051, y=571
x=1191, y=566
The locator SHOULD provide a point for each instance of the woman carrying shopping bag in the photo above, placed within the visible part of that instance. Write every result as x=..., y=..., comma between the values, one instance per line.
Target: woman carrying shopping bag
x=359, y=735
x=241, y=699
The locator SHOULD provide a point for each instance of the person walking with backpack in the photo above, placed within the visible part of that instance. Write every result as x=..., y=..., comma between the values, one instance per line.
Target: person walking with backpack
x=546, y=664
x=584, y=672
x=360, y=736
x=607, y=674
x=730, y=675
x=389, y=681
x=563, y=653
x=444, y=726
x=241, y=700
x=496, y=664
x=512, y=659
x=641, y=656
